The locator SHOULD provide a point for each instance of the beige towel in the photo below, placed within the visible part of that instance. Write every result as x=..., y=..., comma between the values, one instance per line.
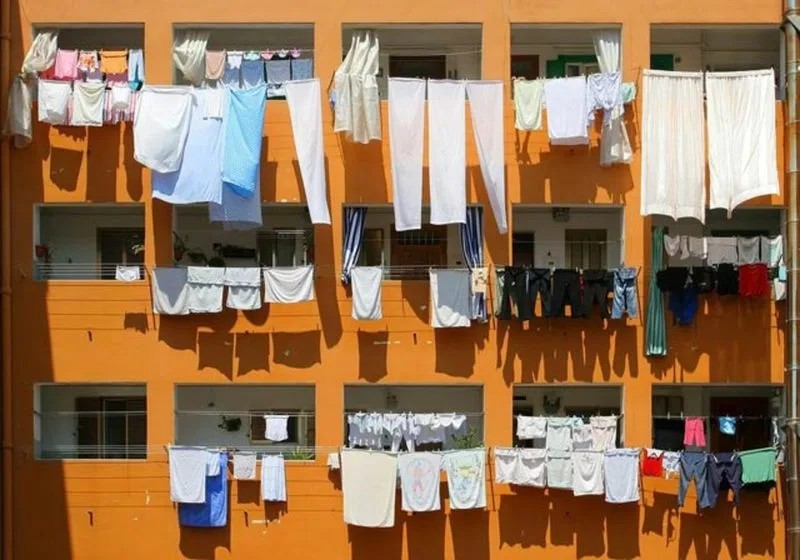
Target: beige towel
x=215, y=64
x=114, y=62
x=369, y=483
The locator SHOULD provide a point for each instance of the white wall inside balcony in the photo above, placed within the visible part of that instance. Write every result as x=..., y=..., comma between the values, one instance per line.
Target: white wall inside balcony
x=577, y=396
x=54, y=404
x=192, y=225
x=697, y=398
x=211, y=402
x=549, y=235
x=70, y=230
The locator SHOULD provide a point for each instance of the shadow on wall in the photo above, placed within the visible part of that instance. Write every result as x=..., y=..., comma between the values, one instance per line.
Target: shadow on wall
x=549, y=349
x=456, y=349
x=373, y=349
x=364, y=171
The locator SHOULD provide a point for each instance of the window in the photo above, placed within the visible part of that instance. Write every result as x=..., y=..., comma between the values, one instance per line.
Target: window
x=372, y=248
x=586, y=248
x=93, y=37
x=522, y=248
x=123, y=246
x=421, y=399
x=286, y=247
x=572, y=69
x=103, y=421
x=87, y=241
x=430, y=67
x=233, y=416
x=415, y=251
x=525, y=66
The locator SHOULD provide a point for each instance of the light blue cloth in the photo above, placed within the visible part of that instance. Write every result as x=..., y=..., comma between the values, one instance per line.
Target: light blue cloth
x=244, y=123
x=198, y=179
x=727, y=425
x=782, y=273
x=278, y=72
x=302, y=69
x=214, y=512
x=252, y=73
x=230, y=76
x=237, y=212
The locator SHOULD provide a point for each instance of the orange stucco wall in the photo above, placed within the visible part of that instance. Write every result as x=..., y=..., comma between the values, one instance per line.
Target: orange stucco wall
x=94, y=332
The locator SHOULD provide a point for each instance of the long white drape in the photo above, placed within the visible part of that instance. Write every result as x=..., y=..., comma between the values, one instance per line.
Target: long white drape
x=673, y=145
x=189, y=54
x=357, y=104
x=741, y=137
x=447, y=165
x=406, y=139
x=42, y=53
x=486, y=109
x=615, y=146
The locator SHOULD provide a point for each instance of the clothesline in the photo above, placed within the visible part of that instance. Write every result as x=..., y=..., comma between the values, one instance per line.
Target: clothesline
x=468, y=414
x=683, y=416
x=248, y=413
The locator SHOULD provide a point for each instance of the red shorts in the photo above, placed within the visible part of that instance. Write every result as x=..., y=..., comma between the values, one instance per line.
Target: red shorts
x=753, y=280
x=653, y=465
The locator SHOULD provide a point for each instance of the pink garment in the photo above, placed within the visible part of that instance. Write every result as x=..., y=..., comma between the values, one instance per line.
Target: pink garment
x=66, y=65
x=694, y=432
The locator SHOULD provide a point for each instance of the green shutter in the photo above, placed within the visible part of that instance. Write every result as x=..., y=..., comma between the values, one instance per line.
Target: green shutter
x=662, y=62
x=558, y=68
x=555, y=68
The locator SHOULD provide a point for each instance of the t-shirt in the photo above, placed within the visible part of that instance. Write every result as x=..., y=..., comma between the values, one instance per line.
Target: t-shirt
x=758, y=465
x=466, y=483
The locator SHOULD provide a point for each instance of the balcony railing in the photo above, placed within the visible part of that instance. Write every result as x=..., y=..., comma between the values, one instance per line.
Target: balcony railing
x=88, y=271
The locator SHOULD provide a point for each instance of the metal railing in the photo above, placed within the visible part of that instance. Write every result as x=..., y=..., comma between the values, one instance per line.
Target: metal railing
x=88, y=271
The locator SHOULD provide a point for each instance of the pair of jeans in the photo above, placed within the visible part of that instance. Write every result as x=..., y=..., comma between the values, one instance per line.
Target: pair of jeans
x=724, y=472
x=624, y=293
x=566, y=289
x=539, y=285
x=683, y=304
x=694, y=466
x=514, y=296
x=596, y=288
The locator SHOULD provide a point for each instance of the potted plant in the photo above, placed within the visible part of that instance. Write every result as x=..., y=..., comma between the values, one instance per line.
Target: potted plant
x=178, y=247
x=230, y=424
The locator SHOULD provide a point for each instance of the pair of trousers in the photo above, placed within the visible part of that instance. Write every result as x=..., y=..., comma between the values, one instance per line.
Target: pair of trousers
x=694, y=467
x=515, y=296
x=724, y=471
x=595, y=290
x=624, y=293
x=566, y=290
x=539, y=285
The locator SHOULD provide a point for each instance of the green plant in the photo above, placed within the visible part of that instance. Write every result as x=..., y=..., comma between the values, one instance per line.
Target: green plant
x=230, y=424
x=299, y=454
x=470, y=440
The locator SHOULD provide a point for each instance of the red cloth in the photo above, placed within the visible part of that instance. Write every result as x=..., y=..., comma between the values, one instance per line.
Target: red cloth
x=753, y=280
x=653, y=465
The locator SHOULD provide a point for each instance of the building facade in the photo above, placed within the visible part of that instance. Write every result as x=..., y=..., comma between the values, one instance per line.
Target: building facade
x=101, y=385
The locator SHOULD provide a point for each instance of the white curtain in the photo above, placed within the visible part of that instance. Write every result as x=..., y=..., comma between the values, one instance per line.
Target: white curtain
x=42, y=53
x=486, y=109
x=615, y=146
x=189, y=54
x=447, y=164
x=741, y=137
x=357, y=104
x=673, y=145
x=406, y=139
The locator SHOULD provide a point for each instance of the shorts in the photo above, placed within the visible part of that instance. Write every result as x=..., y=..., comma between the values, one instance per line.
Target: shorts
x=753, y=280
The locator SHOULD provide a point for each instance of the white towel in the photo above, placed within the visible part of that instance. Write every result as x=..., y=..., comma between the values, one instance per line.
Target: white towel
x=53, y=99
x=466, y=478
x=198, y=178
x=531, y=427
x=19, y=123
x=212, y=463
x=742, y=150
x=567, y=120
x=698, y=248
x=303, y=98
x=205, y=289
x=673, y=145
x=276, y=427
x=772, y=250
x=419, y=481
x=450, y=298
x=273, y=478
x=214, y=103
x=161, y=125
x=486, y=109
x=187, y=474
x=587, y=470
x=369, y=482
x=244, y=288
x=170, y=291
x=722, y=250
x=289, y=285
x=366, y=285
x=244, y=465
x=120, y=97
x=528, y=101
x=88, y=101
x=127, y=273
x=447, y=166
x=748, y=249
x=406, y=129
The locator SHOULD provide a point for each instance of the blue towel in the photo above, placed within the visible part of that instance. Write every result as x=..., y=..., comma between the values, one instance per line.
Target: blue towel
x=244, y=123
x=278, y=72
x=198, y=179
x=213, y=513
x=302, y=69
x=252, y=73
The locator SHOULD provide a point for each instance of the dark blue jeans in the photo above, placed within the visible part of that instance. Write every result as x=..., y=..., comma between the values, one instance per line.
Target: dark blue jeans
x=694, y=466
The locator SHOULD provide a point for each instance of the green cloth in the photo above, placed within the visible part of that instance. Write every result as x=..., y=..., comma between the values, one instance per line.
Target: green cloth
x=655, y=338
x=758, y=465
x=628, y=92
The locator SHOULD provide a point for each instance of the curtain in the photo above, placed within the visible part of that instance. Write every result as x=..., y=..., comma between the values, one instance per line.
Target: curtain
x=355, y=91
x=615, y=146
x=189, y=54
x=472, y=249
x=656, y=329
x=673, y=145
x=354, y=219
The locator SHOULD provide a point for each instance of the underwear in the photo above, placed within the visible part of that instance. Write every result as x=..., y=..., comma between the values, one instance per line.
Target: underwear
x=753, y=280
x=596, y=289
x=566, y=290
x=215, y=64
x=66, y=65
x=727, y=280
x=114, y=62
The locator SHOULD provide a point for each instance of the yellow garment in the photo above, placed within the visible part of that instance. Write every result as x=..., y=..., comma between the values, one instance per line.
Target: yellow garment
x=114, y=62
